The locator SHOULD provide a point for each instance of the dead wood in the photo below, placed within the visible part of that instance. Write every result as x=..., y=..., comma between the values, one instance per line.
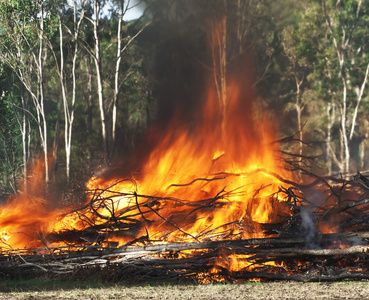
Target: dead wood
x=209, y=258
x=259, y=245
x=290, y=256
x=361, y=179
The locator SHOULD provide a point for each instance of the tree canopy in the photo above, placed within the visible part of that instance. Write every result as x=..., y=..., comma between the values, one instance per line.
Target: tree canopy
x=79, y=85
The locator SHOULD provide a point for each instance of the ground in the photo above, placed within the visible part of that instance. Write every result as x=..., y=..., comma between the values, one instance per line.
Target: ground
x=95, y=290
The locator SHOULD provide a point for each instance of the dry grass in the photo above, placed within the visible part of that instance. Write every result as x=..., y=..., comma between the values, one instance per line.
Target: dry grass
x=37, y=289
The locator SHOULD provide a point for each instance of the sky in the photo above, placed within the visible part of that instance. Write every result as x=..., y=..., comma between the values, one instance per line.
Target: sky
x=135, y=11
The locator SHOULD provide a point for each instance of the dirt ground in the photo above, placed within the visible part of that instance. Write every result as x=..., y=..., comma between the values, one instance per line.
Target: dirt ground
x=273, y=290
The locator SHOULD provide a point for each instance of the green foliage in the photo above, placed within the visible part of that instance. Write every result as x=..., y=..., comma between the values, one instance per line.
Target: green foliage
x=10, y=137
x=21, y=17
x=170, y=60
x=331, y=38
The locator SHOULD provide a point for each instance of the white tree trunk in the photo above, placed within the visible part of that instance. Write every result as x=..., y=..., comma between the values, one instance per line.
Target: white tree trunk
x=341, y=50
x=363, y=145
x=329, y=138
x=69, y=109
x=97, y=59
x=299, y=108
x=116, y=79
x=219, y=59
x=41, y=91
x=359, y=97
x=344, y=130
x=65, y=101
x=24, y=137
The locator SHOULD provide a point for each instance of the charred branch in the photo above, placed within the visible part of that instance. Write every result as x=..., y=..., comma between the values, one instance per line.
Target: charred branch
x=285, y=252
x=290, y=256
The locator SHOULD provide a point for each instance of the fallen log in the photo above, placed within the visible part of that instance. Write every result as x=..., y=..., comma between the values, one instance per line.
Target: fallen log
x=324, y=240
x=290, y=255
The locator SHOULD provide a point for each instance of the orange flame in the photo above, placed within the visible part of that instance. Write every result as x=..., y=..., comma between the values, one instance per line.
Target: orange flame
x=201, y=180
x=229, y=160
x=28, y=215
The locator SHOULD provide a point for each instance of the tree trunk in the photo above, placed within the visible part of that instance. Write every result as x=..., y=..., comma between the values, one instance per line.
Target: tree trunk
x=363, y=145
x=340, y=51
x=41, y=91
x=345, y=142
x=24, y=136
x=65, y=102
x=329, y=138
x=97, y=59
x=299, y=108
x=90, y=105
x=69, y=109
x=219, y=57
x=359, y=97
x=116, y=79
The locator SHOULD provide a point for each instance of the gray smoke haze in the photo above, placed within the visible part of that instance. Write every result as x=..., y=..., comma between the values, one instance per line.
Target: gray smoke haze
x=307, y=223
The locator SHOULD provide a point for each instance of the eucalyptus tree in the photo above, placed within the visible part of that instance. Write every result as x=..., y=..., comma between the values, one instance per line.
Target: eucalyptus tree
x=25, y=26
x=337, y=34
x=97, y=4
x=11, y=124
x=78, y=11
x=296, y=71
x=123, y=41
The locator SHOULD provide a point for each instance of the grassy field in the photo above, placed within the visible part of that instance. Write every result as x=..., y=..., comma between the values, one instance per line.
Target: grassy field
x=45, y=289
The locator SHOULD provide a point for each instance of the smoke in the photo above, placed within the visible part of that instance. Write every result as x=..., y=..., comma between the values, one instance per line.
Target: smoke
x=307, y=223
x=180, y=59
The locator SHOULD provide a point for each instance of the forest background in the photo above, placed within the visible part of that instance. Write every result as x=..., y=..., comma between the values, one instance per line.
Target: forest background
x=79, y=85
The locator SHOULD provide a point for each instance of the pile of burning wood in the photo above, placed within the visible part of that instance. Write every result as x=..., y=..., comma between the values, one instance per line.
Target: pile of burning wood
x=317, y=240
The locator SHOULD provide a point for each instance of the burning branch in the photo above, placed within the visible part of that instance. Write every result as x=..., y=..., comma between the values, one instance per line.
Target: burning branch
x=109, y=230
x=185, y=260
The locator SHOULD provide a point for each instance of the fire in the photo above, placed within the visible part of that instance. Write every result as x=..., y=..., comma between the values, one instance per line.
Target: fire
x=202, y=180
x=225, y=162
x=28, y=215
